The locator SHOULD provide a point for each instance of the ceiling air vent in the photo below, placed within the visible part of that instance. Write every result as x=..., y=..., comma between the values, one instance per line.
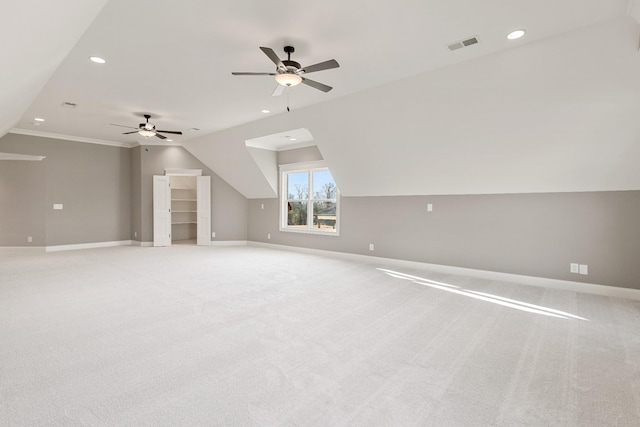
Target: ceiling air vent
x=69, y=104
x=463, y=43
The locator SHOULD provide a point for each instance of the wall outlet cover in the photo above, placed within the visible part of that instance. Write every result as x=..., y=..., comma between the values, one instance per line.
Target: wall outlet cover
x=574, y=268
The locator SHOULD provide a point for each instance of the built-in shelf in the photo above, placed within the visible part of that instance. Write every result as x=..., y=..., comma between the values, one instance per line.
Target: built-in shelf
x=184, y=212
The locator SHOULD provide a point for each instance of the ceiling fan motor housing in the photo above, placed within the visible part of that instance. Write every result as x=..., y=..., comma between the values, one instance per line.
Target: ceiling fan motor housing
x=292, y=66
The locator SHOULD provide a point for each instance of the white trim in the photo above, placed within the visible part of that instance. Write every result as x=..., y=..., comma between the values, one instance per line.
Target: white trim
x=294, y=167
x=183, y=172
x=141, y=244
x=565, y=285
x=22, y=157
x=4, y=249
x=229, y=243
x=72, y=138
x=95, y=245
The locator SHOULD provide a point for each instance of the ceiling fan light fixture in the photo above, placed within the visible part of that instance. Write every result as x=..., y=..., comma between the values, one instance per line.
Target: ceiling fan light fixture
x=288, y=79
x=146, y=132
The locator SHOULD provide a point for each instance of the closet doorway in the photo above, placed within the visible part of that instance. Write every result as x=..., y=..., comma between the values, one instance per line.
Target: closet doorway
x=181, y=208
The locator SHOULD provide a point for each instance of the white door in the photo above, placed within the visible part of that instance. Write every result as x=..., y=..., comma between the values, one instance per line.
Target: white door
x=161, y=210
x=204, y=210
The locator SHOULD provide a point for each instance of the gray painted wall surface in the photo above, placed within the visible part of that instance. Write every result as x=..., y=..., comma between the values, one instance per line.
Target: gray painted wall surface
x=93, y=182
x=299, y=155
x=228, y=207
x=136, y=194
x=22, y=198
x=528, y=234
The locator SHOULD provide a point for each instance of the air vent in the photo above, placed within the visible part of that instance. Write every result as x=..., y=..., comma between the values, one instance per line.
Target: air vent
x=463, y=43
x=69, y=104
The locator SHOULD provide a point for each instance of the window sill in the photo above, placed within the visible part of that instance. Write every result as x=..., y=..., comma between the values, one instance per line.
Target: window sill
x=334, y=233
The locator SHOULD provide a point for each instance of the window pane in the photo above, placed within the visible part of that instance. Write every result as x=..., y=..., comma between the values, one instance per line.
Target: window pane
x=298, y=185
x=297, y=215
x=324, y=187
x=324, y=215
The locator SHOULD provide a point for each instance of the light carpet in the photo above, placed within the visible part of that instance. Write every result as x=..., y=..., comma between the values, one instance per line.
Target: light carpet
x=246, y=336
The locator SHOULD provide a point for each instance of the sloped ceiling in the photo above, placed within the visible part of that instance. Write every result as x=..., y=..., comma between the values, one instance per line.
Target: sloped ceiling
x=559, y=114
x=553, y=111
x=36, y=37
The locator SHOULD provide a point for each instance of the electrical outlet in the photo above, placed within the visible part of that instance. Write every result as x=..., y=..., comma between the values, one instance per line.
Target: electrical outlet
x=574, y=268
x=135, y=234
x=584, y=269
x=262, y=206
x=30, y=239
x=429, y=207
x=371, y=246
x=213, y=234
x=57, y=206
x=268, y=236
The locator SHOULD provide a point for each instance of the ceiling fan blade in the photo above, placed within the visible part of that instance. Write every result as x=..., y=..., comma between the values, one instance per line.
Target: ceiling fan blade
x=161, y=136
x=127, y=133
x=279, y=90
x=273, y=57
x=175, y=132
x=122, y=126
x=235, y=73
x=326, y=65
x=316, y=85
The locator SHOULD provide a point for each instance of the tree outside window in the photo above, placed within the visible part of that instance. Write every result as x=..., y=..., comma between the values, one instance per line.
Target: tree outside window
x=311, y=201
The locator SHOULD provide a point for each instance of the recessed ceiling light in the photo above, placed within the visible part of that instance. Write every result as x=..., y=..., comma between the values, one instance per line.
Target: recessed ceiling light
x=266, y=111
x=516, y=34
x=292, y=139
x=38, y=119
x=97, y=59
x=169, y=140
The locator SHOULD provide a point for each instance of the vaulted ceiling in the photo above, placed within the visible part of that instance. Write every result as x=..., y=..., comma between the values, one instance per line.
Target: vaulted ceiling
x=552, y=111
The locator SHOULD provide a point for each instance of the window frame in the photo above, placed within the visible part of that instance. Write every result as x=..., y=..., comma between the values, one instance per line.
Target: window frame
x=309, y=168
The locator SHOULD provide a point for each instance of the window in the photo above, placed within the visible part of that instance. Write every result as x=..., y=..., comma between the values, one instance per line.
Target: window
x=309, y=200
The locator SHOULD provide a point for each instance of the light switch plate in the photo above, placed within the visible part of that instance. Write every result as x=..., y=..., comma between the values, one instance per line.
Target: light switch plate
x=584, y=269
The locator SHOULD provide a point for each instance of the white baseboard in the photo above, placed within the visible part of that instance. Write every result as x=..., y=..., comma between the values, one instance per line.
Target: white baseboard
x=566, y=285
x=229, y=243
x=141, y=244
x=95, y=245
x=20, y=249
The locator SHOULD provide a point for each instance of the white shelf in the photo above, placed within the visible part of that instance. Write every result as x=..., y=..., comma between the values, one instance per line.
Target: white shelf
x=177, y=211
x=184, y=222
x=184, y=200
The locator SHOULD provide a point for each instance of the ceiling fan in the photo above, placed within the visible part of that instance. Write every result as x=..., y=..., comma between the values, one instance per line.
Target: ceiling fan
x=147, y=129
x=289, y=73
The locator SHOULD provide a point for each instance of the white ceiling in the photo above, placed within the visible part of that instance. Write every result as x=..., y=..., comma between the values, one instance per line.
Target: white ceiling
x=174, y=59
x=553, y=111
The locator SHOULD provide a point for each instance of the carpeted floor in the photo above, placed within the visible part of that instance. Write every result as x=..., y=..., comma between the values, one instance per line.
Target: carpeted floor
x=239, y=336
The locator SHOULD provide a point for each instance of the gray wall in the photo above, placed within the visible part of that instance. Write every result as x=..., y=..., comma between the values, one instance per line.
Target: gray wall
x=529, y=234
x=93, y=182
x=22, y=203
x=299, y=155
x=136, y=193
x=228, y=207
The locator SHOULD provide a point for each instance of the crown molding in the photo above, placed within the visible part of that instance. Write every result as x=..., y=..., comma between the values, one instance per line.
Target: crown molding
x=73, y=138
